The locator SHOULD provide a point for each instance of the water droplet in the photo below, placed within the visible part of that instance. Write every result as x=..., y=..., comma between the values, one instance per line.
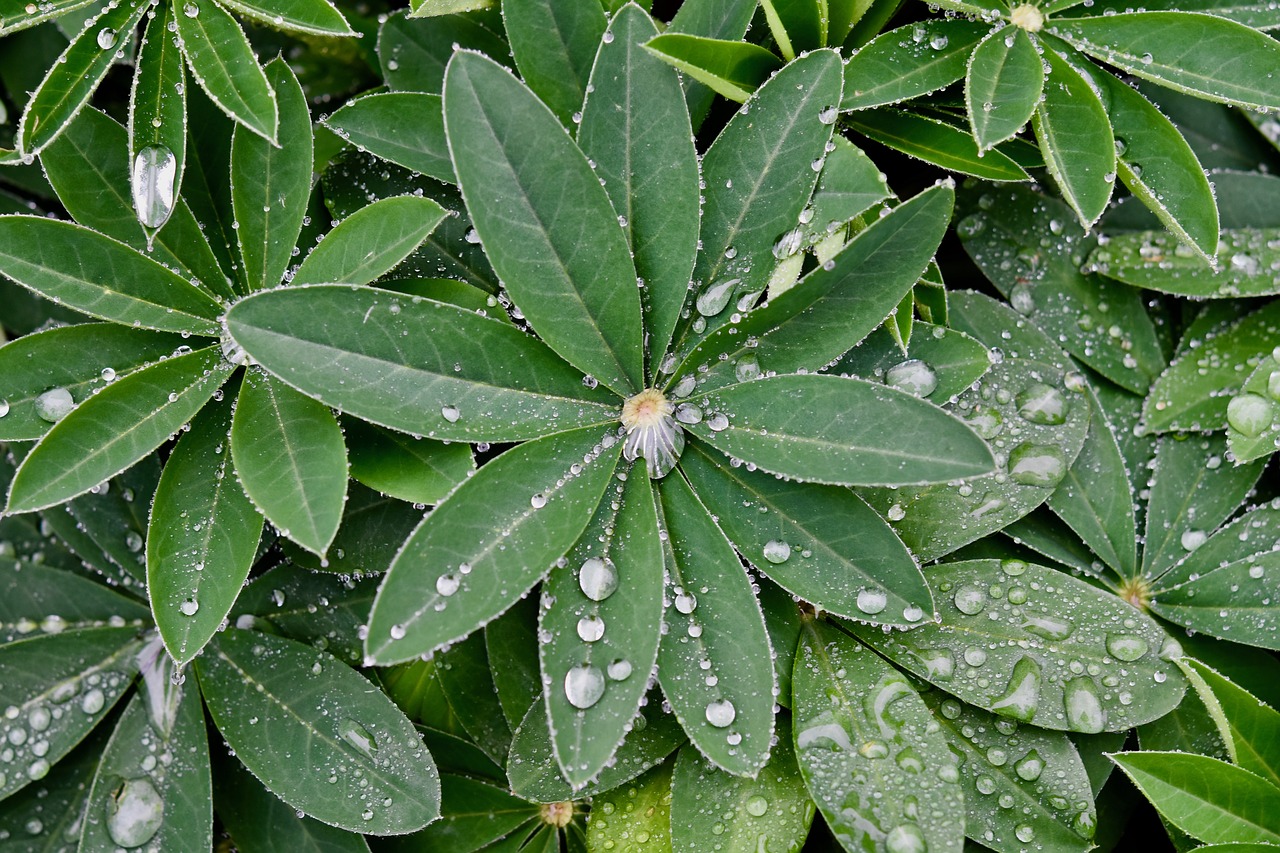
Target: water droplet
x=134, y=813
x=975, y=656
x=1025, y=833
x=39, y=719
x=1049, y=627
x=1022, y=300
x=447, y=585
x=873, y=749
x=970, y=599
x=713, y=300
x=718, y=422
x=913, y=376
x=1029, y=767
x=1022, y=695
x=1042, y=404
x=538, y=501
x=54, y=405
x=872, y=601
x=938, y=663
x=906, y=838
x=4, y=408
x=1084, y=710
x=747, y=368
x=590, y=628
x=397, y=632
x=776, y=551
x=688, y=413
x=985, y=785
x=93, y=701
x=358, y=736
x=583, y=686
x=38, y=769
x=189, y=607
x=106, y=38
x=721, y=713
x=686, y=602
x=909, y=760
x=450, y=414
x=619, y=670
x=155, y=173
x=987, y=423
x=757, y=806
x=1250, y=414
x=1040, y=465
x=598, y=578
x=1126, y=647
x=1193, y=539
x=938, y=42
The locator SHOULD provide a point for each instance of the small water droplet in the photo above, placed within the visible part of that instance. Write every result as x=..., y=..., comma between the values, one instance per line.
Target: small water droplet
x=106, y=38
x=450, y=414
x=538, y=501
x=1193, y=539
x=718, y=422
x=1025, y=833
x=1029, y=767
x=590, y=628
x=583, y=686
x=686, y=602
x=189, y=607
x=619, y=670
x=970, y=599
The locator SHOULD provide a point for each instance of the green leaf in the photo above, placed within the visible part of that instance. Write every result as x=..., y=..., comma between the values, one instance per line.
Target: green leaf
x=1234, y=602
x=370, y=242
x=871, y=755
x=1204, y=797
x=820, y=543
x=223, y=63
x=486, y=545
x=733, y=69
x=26, y=19
x=278, y=703
x=715, y=664
x=850, y=184
x=100, y=516
x=1006, y=653
x=937, y=142
x=535, y=775
x=71, y=80
x=1075, y=136
x=1002, y=84
x=1204, y=55
x=260, y=822
x=910, y=61
x=1196, y=389
x=545, y=221
x=1252, y=728
x=313, y=17
x=636, y=820
x=1248, y=534
x=1159, y=167
x=270, y=184
x=636, y=130
x=1044, y=282
x=57, y=803
x=92, y=273
x=406, y=128
x=512, y=643
x=1019, y=782
x=603, y=614
x=400, y=361
x=554, y=45
x=290, y=458
x=717, y=19
x=798, y=26
x=115, y=428
x=135, y=797
x=411, y=469
x=828, y=429
x=79, y=359
x=833, y=307
x=414, y=52
x=760, y=173
x=957, y=360
x=473, y=814
x=34, y=597
x=467, y=681
x=79, y=675
x=1159, y=261
x=202, y=537
x=157, y=123
x=771, y=810
x=1249, y=436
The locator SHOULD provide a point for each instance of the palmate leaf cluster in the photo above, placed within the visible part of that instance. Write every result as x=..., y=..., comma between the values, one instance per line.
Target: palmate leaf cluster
x=746, y=529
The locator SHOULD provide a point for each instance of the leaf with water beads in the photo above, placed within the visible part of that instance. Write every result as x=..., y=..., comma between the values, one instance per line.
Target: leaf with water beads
x=157, y=122
x=938, y=364
x=464, y=672
x=821, y=543
x=34, y=597
x=406, y=128
x=152, y=785
x=370, y=242
x=1250, y=727
x=278, y=703
x=413, y=53
x=57, y=688
x=1038, y=646
x=511, y=641
x=486, y=545
x=223, y=63
x=1003, y=82
x=411, y=469
x=1249, y=534
x=1239, y=601
x=473, y=814
x=313, y=17
x=599, y=626
x=99, y=516
x=1248, y=259
x=936, y=141
x=873, y=758
x=640, y=815
x=554, y=45
x=52, y=810
x=1021, y=784
x=1253, y=416
x=910, y=61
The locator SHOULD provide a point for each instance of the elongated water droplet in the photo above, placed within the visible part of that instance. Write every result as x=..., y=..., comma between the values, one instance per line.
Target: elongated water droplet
x=1022, y=695
x=135, y=813
x=906, y=838
x=1040, y=465
x=583, y=686
x=1084, y=711
x=358, y=736
x=1029, y=767
x=155, y=173
x=913, y=376
x=598, y=578
x=1049, y=627
x=713, y=300
x=1042, y=404
x=1126, y=647
x=1250, y=414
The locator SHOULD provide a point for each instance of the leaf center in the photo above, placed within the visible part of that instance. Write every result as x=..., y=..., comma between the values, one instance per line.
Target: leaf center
x=1028, y=17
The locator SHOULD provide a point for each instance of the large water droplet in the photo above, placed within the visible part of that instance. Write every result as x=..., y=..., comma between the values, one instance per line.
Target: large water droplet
x=873, y=749
x=358, y=736
x=686, y=602
x=1025, y=833
x=970, y=599
x=54, y=405
x=777, y=551
x=713, y=300
x=1049, y=627
x=155, y=173
x=1250, y=414
x=93, y=701
x=939, y=663
x=721, y=713
x=598, y=578
x=583, y=686
x=1037, y=465
x=106, y=38
x=1022, y=695
x=590, y=628
x=913, y=376
x=872, y=601
x=1126, y=647
x=189, y=607
x=1084, y=710
x=1029, y=767
x=1192, y=539
x=756, y=806
x=135, y=812
x=1042, y=404
x=447, y=585
x=906, y=838
x=450, y=413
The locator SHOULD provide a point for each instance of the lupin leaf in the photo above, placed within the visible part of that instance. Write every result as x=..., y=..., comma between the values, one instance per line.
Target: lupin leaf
x=909, y=61
x=158, y=122
x=554, y=45
x=414, y=52
x=313, y=17
x=406, y=128
x=935, y=141
x=1234, y=602
x=1004, y=80
x=223, y=63
x=733, y=69
x=411, y=469
x=370, y=242
x=38, y=598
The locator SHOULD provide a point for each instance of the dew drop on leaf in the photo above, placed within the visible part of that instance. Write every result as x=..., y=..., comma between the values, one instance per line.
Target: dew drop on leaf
x=598, y=578
x=1126, y=647
x=54, y=404
x=776, y=551
x=1250, y=414
x=871, y=601
x=358, y=736
x=583, y=686
x=134, y=813
x=447, y=585
x=1037, y=465
x=913, y=376
x=906, y=838
x=619, y=670
x=721, y=713
x=155, y=173
x=1042, y=404
x=1084, y=710
x=590, y=628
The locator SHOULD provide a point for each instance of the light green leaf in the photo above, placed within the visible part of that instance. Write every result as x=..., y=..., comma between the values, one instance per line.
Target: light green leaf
x=278, y=703
x=717, y=19
x=1204, y=797
x=821, y=543
x=772, y=810
x=871, y=755
x=828, y=429
x=115, y=428
x=371, y=241
x=603, y=614
x=92, y=273
x=797, y=26
x=637, y=820
x=202, y=537
x=910, y=61
x=270, y=184
x=937, y=142
x=1002, y=84
x=79, y=359
x=312, y=17
x=1075, y=136
x=1249, y=435
x=1006, y=653
x=78, y=674
x=223, y=63
x=486, y=545
x=157, y=123
x=545, y=221
x=53, y=10
x=554, y=45
x=636, y=130
x=406, y=128
x=956, y=360
x=715, y=664
x=290, y=458
x=137, y=798
x=1199, y=54
x=411, y=469
x=1196, y=389
x=71, y=80
x=414, y=52
x=1252, y=728
x=1235, y=602
x=733, y=69
x=1019, y=782
x=34, y=597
